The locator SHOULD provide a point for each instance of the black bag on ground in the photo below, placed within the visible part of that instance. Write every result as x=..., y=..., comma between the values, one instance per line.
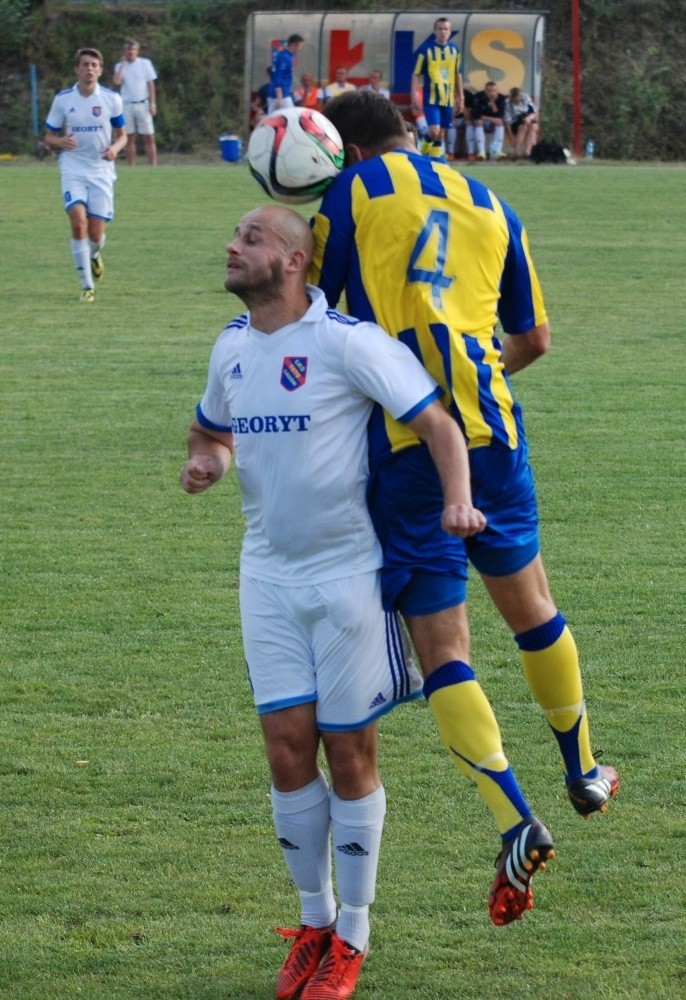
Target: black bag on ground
x=548, y=152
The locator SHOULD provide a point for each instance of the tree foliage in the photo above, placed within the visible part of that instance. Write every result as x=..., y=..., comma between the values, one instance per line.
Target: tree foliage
x=632, y=57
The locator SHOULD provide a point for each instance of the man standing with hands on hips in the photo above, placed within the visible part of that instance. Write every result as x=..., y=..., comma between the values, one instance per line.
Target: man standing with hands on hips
x=135, y=76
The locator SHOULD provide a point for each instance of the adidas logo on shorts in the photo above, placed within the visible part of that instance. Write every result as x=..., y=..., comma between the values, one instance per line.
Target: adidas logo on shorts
x=379, y=700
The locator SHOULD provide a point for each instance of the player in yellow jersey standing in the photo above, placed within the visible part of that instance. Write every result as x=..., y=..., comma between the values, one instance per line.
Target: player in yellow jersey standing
x=437, y=78
x=436, y=258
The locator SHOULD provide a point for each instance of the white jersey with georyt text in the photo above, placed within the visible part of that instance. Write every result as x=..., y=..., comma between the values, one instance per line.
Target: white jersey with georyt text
x=90, y=121
x=136, y=76
x=298, y=402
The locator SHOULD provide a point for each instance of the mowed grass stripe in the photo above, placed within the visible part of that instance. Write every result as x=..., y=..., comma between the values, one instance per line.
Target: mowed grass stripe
x=137, y=856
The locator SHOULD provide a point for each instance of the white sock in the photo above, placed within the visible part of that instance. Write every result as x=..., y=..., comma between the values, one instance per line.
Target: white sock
x=82, y=261
x=497, y=140
x=356, y=827
x=353, y=925
x=95, y=248
x=469, y=138
x=302, y=820
x=480, y=140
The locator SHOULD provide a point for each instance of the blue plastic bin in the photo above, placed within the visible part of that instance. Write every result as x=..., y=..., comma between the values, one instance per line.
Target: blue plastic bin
x=231, y=148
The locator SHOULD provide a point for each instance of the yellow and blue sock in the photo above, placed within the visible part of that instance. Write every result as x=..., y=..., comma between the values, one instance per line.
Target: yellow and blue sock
x=469, y=731
x=551, y=666
x=433, y=148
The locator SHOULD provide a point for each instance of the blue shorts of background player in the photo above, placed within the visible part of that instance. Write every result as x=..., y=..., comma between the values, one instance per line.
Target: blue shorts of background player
x=438, y=114
x=425, y=570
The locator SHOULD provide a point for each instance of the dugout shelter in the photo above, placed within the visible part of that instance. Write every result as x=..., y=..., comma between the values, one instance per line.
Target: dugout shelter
x=506, y=47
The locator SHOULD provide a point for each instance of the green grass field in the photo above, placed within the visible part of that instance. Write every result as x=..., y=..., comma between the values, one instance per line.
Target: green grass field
x=137, y=858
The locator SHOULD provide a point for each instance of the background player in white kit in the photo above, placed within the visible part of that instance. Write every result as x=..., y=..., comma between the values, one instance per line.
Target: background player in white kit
x=290, y=390
x=81, y=124
x=135, y=76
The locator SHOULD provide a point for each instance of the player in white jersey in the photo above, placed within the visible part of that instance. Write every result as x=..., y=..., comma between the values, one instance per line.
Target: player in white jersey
x=289, y=394
x=135, y=76
x=86, y=124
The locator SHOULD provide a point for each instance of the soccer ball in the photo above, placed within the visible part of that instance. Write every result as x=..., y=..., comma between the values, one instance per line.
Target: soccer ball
x=294, y=154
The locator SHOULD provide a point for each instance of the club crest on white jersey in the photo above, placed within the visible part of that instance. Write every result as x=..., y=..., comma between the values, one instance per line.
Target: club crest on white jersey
x=293, y=373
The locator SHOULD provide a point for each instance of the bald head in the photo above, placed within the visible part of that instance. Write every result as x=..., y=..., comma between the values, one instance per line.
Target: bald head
x=289, y=228
x=268, y=260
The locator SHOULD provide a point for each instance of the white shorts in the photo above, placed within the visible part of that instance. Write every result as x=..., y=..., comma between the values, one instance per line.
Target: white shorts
x=96, y=193
x=329, y=643
x=286, y=102
x=138, y=118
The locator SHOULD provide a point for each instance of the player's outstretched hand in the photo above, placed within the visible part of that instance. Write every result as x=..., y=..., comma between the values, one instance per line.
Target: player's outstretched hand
x=200, y=472
x=462, y=520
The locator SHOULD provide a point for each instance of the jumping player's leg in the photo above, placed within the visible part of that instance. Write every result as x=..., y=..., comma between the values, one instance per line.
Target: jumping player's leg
x=466, y=722
x=469, y=731
x=550, y=659
x=424, y=576
x=507, y=556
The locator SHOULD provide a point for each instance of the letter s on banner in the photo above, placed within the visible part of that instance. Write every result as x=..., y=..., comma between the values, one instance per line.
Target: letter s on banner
x=490, y=48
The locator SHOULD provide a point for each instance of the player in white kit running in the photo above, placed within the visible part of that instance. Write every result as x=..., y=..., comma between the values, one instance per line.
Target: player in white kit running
x=290, y=390
x=86, y=124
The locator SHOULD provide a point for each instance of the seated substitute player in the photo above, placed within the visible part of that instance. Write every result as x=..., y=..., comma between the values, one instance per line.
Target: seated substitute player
x=339, y=85
x=436, y=258
x=488, y=117
x=81, y=124
x=521, y=123
x=438, y=79
x=308, y=94
x=374, y=82
x=289, y=393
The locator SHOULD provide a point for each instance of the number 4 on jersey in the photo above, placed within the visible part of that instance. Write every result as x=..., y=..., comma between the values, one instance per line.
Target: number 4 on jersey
x=435, y=230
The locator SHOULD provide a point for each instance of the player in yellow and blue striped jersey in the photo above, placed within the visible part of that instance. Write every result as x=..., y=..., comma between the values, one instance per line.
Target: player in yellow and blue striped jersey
x=436, y=259
x=437, y=78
